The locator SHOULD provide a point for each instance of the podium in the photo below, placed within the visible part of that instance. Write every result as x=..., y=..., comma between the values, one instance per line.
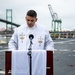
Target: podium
x=49, y=62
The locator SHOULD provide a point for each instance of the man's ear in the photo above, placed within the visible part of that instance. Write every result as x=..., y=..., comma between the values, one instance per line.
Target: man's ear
x=36, y=19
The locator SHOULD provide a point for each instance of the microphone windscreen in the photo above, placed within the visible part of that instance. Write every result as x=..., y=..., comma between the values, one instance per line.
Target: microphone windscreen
x=31, y=36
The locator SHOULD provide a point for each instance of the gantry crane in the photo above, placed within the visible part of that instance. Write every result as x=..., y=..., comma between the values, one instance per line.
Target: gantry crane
x=56, y=23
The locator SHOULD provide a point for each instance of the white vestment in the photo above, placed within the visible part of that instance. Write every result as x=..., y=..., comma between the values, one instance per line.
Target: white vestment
x=20, y=38
x=20, y=62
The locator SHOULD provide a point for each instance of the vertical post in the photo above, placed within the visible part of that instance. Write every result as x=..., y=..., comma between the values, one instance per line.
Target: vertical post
x=52, y=26
x=49, y=69
x=8, y=17
x=8, y=58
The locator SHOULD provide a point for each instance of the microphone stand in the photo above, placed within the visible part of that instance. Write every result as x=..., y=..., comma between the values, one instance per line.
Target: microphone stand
x=30, y=57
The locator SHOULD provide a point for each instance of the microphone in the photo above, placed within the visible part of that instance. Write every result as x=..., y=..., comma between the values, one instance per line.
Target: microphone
x=31, y=36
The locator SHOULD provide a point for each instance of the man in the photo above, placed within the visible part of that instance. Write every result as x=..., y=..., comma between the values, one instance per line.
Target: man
x=20, y=39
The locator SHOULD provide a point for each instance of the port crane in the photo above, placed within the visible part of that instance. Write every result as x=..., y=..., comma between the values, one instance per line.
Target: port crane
x=56, y=23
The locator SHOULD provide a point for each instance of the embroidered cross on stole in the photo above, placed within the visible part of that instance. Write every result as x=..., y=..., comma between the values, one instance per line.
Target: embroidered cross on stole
x=22, y=36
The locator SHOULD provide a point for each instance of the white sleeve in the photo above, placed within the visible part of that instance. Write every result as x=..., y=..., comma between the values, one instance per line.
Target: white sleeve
x=13, y=43
x=49, y=45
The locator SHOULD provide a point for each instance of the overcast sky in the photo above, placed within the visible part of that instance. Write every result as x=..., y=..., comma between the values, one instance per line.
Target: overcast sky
x=64, y=8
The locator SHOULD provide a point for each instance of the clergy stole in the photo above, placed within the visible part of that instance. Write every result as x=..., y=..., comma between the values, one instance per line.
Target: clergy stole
x=42, y=62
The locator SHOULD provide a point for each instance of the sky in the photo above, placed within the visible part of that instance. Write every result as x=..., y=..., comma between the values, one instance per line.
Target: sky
x=64, y=8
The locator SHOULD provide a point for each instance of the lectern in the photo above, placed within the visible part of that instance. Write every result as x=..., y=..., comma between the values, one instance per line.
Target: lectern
x=49, y=62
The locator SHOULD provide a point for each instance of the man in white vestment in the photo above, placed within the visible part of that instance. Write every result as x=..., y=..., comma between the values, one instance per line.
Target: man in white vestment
x=20, y=38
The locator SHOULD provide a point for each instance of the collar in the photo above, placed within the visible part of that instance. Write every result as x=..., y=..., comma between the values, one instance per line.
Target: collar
x=31, y=27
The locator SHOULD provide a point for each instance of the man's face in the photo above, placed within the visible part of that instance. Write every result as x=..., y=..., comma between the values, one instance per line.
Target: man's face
x=30, y=21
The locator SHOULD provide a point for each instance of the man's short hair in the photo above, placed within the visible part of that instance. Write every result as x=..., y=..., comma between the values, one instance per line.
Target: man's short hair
x=31, y=13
